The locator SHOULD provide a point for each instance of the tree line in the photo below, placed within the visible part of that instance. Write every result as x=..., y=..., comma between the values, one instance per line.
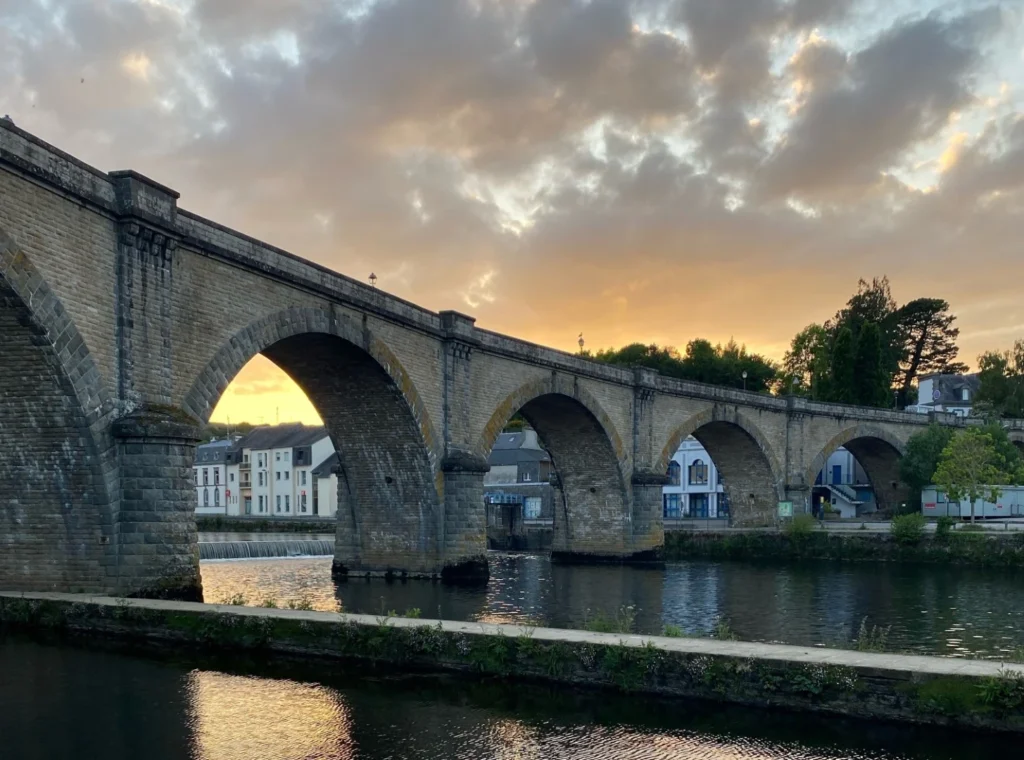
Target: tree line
x=871, y=353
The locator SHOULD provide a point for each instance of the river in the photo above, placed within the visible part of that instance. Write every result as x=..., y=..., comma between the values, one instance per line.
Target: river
x=930, y=609
x=62, y=702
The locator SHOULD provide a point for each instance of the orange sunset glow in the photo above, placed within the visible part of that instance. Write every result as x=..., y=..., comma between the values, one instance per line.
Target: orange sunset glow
x=653, y=171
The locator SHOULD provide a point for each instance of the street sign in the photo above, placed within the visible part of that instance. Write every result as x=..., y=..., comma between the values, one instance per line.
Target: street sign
x=785, y=509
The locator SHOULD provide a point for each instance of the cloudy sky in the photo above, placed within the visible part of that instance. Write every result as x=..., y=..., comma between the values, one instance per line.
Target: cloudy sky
x=654, y=170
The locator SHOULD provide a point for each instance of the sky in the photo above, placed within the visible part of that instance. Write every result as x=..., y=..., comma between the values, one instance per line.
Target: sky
x=654, y=170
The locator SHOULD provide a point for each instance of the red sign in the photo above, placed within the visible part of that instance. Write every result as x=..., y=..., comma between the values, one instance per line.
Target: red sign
x=228, y=491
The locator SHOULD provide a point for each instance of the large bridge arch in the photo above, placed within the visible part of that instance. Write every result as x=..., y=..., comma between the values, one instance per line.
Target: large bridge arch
x=390, y=514
x=744, y=457
x=593, y=510
x=58, y=476
x=878, y=450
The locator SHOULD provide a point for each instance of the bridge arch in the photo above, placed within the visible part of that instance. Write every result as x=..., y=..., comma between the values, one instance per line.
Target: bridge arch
x=390, y=494
x=744, y=457
x=593, y=511
x=57, y=464
x=1017, y=439
x=878, y=451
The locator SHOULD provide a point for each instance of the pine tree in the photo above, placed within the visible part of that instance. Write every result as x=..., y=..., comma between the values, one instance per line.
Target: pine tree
x=842, y=388
x=928, y=342
x=871, y=381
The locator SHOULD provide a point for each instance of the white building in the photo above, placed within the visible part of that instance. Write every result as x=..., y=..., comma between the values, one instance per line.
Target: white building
x=696, y=490
x=211, y=476
x=268, y=473
x=953, y=394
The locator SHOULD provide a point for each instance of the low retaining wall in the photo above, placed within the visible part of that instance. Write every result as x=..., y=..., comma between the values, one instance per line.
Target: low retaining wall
x=969, y=693
x=964, y=548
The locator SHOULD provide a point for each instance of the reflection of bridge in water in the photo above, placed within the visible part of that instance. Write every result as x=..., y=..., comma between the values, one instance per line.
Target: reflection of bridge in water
x=116, y=347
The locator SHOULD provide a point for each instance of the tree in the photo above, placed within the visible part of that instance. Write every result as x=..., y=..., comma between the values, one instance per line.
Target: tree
x=971, y=468
x=1001, y=393
x=703, y=362
x=918, y=464
x=870, y=379
x=841, y=383
x=805, y=367
x=928, y=342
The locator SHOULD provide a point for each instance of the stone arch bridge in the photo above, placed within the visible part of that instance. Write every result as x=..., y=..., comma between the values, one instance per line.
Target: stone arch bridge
x=123, y=318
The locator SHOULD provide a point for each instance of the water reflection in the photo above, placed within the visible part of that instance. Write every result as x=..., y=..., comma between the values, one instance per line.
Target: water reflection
x=929, y=608
x=239, y=718
x=60, y=702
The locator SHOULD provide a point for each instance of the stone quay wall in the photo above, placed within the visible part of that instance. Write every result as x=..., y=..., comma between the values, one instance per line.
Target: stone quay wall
x=975, y=694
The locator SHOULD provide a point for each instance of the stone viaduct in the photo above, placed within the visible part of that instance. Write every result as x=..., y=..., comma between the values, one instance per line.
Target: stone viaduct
x=114, y=347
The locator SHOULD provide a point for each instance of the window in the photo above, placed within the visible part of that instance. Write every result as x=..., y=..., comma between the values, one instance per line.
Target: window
x=531, y=508
x=303, y=476
x=670, y=506
x=287, y=475
x=279, y=503
x=527, y=476
x=674, y=473
x=302, y=501
x=277, y=456
x=698, y=473
x=216, y=476
x=287, y=503
x=248, y=505
x=231, y=477
x=197, y=477
x=216, y=497
x=261, y=503
x=259, y=460
x=206, y=497
x=698, y=505
x=287, y=455
x=206, y=476
x=245, y=459
x=278, y=474
x=966, y=395
x=260, y=477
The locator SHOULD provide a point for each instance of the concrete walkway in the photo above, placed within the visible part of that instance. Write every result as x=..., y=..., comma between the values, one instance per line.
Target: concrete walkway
x=694, y=646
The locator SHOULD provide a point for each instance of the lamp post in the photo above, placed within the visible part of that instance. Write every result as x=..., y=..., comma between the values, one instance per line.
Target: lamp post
x=580, y=341
x=373, y=280
x=744, y=379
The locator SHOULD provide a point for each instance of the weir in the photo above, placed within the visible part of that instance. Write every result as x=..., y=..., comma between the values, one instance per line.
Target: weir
x=323, y=547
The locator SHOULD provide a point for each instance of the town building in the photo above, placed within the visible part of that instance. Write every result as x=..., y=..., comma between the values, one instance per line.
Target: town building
x=518, y=494
x=270, y=472
x=696, y=490
x=953, y=394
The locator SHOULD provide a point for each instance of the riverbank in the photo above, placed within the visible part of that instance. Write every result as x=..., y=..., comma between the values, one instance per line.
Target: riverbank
x=982, y=549
x=242, y=524
x=963, y=693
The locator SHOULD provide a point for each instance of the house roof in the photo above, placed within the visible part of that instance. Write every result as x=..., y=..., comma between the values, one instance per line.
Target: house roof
x=326, y=467
x=503, y=457
x=950, y=388
x=282, y=437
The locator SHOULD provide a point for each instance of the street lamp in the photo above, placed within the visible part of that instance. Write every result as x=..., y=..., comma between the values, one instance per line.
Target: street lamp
x=580, y=341
x=373, y=280
x=744, y=379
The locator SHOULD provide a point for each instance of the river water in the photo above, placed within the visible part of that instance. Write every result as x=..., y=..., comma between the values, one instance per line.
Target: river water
x=931, y=609
x=62, y=702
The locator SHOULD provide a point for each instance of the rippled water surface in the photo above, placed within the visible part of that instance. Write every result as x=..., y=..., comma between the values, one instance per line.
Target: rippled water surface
x=60, y=702
x=931, y=609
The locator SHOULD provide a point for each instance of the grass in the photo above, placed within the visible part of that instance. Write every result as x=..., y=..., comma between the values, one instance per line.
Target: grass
x=622, y=621
x=800, y=526
x=873, y=639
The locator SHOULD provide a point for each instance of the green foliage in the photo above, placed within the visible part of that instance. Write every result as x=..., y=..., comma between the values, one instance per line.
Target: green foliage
x=805, y=367
x=723, y=631
x=918, y=464
x=622, y=621
x=672, y=631
x=413, y=612
x=269, y=603
x=972, y=467
x=873, y=639
x=943, y=527
x=908, y=529
x=800, y=526
x=703, y=362
x=843, y=388
x=515, y=424
x=871, y=380
x=236, y=600
x=1001, y=393
x=302, y=603
x=927, y=343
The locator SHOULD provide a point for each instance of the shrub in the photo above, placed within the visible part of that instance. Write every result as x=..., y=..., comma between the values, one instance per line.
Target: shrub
x=908, y=529
x=621, y=622
x=270, y=603
x=723, y=631
x=943, y=528
x=873, y=639
x=302, y=603
x=236, y=600
x=673, y=631
x=799, y=526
